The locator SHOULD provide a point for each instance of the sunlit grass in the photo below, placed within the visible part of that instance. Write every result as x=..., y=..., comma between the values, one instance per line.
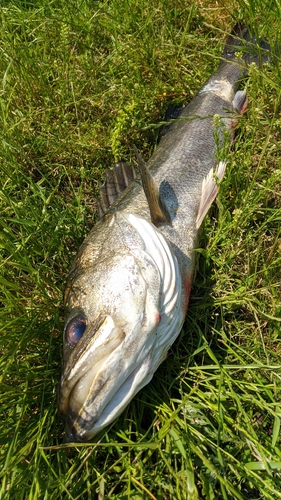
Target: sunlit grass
x=80, y=83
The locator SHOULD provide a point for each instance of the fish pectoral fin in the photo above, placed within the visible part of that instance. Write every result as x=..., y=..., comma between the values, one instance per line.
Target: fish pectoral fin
x=116, y=181
x=210, y=188
x=158, y=211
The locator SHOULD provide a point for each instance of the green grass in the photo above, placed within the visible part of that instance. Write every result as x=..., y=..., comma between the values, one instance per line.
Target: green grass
x=81, y=81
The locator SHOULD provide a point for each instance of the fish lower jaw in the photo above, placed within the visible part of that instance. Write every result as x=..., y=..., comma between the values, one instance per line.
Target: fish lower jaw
x=83, y=428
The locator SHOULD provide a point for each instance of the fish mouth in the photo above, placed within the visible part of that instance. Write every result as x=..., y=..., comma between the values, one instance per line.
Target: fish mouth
x=85, y=363
x=100, y=379
x=84, y=425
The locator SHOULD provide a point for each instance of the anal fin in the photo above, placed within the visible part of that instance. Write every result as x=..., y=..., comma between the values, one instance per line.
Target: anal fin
x=240, y=101
x=239, y=104
x=210, y=188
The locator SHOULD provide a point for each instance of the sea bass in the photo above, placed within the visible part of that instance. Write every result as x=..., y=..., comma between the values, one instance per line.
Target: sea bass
x=128, y=290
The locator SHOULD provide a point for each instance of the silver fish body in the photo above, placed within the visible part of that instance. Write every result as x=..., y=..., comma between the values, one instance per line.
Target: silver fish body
x=128, y=290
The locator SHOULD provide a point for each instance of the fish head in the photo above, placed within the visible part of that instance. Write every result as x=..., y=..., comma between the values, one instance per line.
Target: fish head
x=112, y=315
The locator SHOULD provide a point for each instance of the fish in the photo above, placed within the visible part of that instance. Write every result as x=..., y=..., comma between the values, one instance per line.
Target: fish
x=127, y=294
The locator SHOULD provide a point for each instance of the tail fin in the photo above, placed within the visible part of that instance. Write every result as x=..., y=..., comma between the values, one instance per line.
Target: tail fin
x=252, y=49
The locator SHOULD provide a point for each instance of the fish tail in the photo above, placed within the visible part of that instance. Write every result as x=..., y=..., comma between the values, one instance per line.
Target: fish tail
x=251, y=48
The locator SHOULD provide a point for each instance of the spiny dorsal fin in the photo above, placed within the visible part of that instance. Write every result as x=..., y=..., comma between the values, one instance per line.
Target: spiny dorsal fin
x=210, y=188
x=158, y=212
x=116, y=181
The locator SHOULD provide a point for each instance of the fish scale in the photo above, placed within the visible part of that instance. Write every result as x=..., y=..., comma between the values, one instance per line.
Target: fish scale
x=128, y=289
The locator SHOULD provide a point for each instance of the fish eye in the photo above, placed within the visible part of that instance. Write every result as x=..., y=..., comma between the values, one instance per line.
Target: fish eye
x=75, y=329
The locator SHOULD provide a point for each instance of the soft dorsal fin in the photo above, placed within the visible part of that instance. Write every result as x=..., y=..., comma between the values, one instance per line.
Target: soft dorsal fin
x=116, y=181
x=172, y=114
x=158, y=212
